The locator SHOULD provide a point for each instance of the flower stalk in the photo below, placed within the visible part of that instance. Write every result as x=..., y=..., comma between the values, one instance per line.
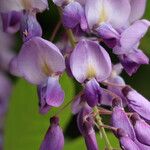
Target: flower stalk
x=102, y=129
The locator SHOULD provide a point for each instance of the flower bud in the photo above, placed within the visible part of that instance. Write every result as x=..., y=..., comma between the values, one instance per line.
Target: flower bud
x=142, y=129
x=54, y=138
x=125, y=141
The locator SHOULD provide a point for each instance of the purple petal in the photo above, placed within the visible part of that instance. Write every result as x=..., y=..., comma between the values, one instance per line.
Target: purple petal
x=117, y=69
x=142, y=129
x=11, y=21
x=14, y=68
x=18, y=5
x=60, y=2
x=82, y=2
x=107, y=11
x=141, y=146
x=90, y=140
x=132, y=61
x=119, y=119
x=89, y=60
x=77, y=104
x=54, y=138
x=29, y=26
x=117, y=90
x=39, y=59
x=5, y=58
x=128, y=144
x=43, y=106
x=92, y=92
x=137, y=9
x=109, y=34
x=137, y=102
x=73, y=14
x=125, y=141
x=132, y=36
x=54, y=92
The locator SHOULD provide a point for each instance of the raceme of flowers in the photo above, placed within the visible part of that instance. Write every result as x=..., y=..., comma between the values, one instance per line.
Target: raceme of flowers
x=93, y=29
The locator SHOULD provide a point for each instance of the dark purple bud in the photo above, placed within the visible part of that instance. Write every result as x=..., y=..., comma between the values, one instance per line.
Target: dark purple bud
x=137, y=102
x=142, y=129
x=54, y=138
x=11, y=21
x=126, y=142
x=119, y=119
x=85, y=125
x=92, y=92
x=30, y=26
x=50, y=94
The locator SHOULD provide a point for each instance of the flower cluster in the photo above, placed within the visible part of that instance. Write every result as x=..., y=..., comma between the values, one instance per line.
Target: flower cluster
x=93, y=28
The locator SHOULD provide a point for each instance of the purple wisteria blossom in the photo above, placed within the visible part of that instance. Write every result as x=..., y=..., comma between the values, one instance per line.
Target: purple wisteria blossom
x=92, y=31
x=90, y=62
x=54, y=138
x=35, y=63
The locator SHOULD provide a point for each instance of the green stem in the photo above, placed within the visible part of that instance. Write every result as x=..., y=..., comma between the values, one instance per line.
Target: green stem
x=55, y=31
x=71, y=37
x=101, y=128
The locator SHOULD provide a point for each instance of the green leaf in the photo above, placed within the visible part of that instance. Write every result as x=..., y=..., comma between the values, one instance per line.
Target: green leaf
x=25, y=127
x=79, y=143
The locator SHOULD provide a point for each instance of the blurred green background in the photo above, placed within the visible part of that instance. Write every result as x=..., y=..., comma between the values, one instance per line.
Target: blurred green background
x=25, y=127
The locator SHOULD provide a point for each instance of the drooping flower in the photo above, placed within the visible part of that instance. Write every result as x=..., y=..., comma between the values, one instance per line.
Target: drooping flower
x=89, y=61
x=40, y=62
x=127, y=49
x=54, y=138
